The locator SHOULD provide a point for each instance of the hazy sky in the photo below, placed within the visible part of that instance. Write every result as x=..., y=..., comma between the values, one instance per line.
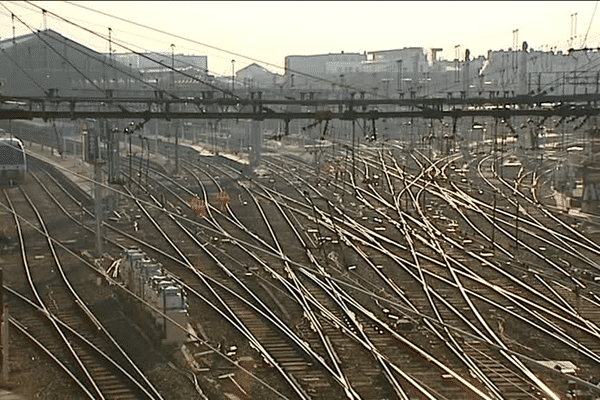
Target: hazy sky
x=268, y=31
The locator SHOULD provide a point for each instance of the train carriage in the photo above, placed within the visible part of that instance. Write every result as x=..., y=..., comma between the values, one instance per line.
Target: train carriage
x=13, y=163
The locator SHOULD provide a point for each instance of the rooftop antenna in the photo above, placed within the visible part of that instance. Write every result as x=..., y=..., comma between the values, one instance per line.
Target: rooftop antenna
x=45, y=25
x=573, y=29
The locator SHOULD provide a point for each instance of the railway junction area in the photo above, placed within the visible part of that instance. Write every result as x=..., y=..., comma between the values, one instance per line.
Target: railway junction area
x=166, y=246
x=333, y=270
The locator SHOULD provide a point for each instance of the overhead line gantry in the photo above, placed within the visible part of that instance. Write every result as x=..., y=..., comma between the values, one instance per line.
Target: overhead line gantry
x=54, y=107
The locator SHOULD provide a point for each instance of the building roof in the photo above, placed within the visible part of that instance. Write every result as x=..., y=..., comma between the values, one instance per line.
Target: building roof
x=396, y=50
x=5, y=43
x=259, y=67
x=43, y=35
x=254, y=65
x=328, y=54
x=50, y=38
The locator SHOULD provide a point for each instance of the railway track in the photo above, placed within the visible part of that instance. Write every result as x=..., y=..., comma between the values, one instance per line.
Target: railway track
x=84, y=350
x=409, y=277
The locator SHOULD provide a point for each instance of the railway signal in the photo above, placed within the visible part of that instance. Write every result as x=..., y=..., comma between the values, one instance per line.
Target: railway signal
x=198, y=206
x=223, y=198
x=327, y=169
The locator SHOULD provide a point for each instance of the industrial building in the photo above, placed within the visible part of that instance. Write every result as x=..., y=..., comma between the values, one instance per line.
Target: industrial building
x=48, y=63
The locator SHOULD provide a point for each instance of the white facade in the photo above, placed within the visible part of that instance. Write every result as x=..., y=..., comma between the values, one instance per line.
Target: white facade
x=324, y=64
x=343, y=67
x=153, y=61
x=410, y=59
x=532, y=72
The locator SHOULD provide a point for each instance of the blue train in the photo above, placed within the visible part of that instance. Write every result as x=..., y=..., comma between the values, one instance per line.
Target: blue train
x=13, y=163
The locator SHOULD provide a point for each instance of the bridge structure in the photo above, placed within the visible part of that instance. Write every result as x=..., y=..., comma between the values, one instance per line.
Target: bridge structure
x=143, y=107
x=258, y=108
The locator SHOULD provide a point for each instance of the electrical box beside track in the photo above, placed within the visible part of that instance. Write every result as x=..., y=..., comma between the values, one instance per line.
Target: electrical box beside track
x=165, y=300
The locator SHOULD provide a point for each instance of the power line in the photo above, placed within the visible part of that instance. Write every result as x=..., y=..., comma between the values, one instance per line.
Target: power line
x=166, y=66
x=102, y=37
x=170, y=34
x=179, y=60
x=316, y=78
x=25, y=72
x=590, y=25
x=101, y=60
x=52, y=48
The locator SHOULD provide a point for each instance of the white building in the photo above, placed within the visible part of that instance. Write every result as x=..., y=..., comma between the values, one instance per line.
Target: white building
x=532, y=72
x=410, y=59
x=162, y=61
x=255, y=76
x=322, y=65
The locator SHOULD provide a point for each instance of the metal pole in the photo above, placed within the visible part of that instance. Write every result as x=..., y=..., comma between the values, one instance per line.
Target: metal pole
x=172, y=66
x=141, y=160
x=494, y=223
x=156, y=133
x=5, y=342
x=232, y=76
x=516, y=220
x=147, y=161
x=130, y=157
x=176, y=150
x=4, y=319
x=116, y=154
x=1, y=286
x=98, y=206
x=353, y=151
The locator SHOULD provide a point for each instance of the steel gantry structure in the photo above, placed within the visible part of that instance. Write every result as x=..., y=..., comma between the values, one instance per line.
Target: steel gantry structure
x=159, y=107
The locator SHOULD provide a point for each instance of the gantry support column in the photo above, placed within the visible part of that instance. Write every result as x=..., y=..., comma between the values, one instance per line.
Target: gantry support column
x=255, y=143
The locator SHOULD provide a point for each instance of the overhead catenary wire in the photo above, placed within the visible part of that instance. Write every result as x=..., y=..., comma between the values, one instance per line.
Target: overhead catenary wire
x=590, y=25
x=218, y=88
x=321, y=275
x=35, y=82
x=101, y=60
x=87, y=54
x=160, y=63
x=576, y=72
x=87, y=23
x=114, y=66
x=316, y=78
x=37, y=33
x=209, y=46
